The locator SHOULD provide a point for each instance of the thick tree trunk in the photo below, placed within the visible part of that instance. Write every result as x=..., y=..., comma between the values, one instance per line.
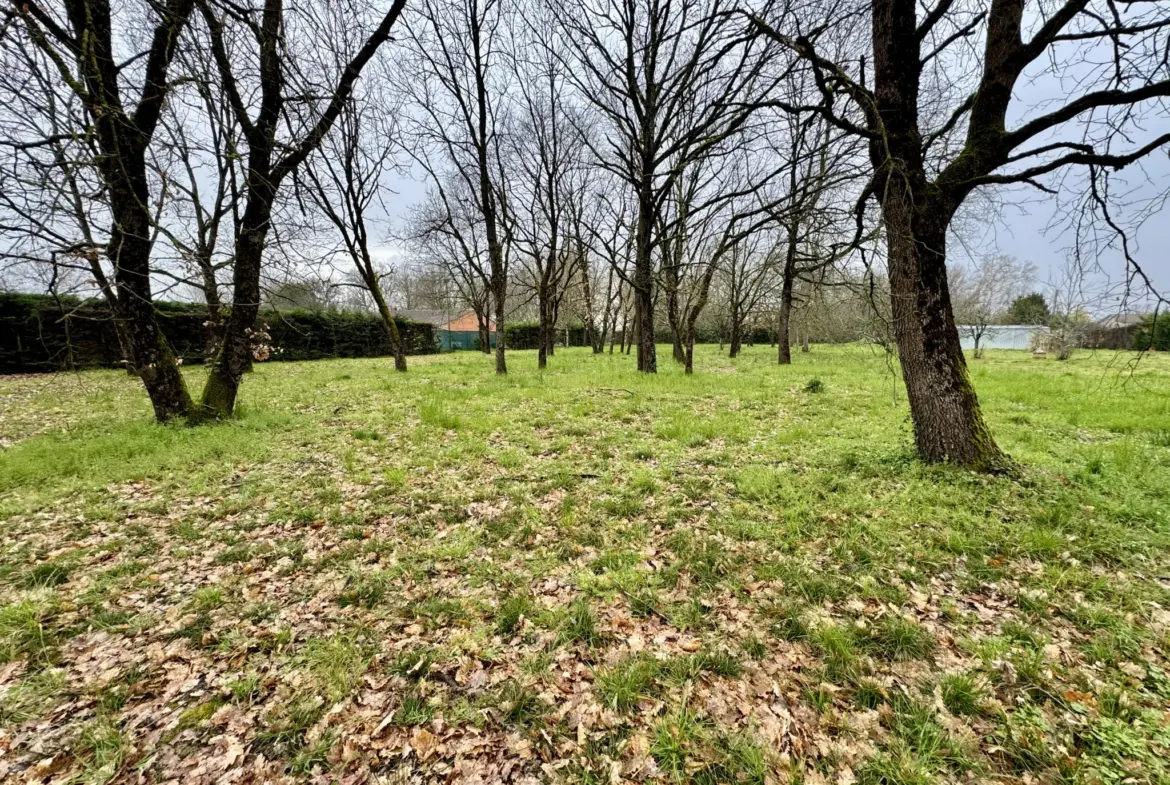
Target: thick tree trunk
x=124, y=347
x=644, y=283
x=689, y=354
x=543, y=338
x=129, y=252
x=948, y=422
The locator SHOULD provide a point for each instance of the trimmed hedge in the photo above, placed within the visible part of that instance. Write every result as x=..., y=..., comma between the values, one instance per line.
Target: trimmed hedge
x=1153, y=334
x=39, y=333
x=526, y=335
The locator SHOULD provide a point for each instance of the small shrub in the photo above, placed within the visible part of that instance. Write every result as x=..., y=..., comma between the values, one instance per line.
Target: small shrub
x=814, y=386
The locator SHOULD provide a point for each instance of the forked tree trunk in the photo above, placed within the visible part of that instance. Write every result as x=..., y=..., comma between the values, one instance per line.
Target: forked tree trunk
x=129, y=251
x=948, y=422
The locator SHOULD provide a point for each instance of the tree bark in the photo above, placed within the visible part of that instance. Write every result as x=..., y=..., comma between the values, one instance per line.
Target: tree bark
x=644, y=282
x=122, y=140
x=784, y=352
x=485, y=333
x=235, y=356
x=948, y=422
x=129, y=252
x=499, y=290
x=735, y=340
x=542, y=331
x=393, y=336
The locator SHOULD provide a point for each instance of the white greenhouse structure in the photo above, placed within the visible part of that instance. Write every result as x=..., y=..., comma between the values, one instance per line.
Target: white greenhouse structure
x=1001, y=336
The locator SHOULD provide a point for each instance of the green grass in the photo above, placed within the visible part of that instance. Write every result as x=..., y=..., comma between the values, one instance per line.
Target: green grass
x=589, y=568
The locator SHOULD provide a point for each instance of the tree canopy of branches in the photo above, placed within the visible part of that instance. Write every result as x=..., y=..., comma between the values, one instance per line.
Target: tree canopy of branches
x=672, y=79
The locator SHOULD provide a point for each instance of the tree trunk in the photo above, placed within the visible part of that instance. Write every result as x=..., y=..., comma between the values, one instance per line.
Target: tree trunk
x=500, y=291
x=124, y=343
x=784, y=352
x=129, y=252
x=235, y=356
x=542, y=331
x=643, y=283
x=393, y=336
x=689, y=355
x=948, y=422
x=484, y=323
x=735, y=342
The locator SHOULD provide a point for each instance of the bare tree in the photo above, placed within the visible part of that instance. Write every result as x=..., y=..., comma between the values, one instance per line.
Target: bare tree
x=458, y=51
x=749, y=274
x=344, y=181
x=936, y=118
x=548, y=151
x=820, y=174
x=83, y=50
x=197, y=162
x=446, y=231
x=671, y=79
x=53, y=211
x=270, y=159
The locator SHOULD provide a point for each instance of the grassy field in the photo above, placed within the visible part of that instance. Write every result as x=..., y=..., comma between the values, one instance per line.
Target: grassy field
x=587, y=576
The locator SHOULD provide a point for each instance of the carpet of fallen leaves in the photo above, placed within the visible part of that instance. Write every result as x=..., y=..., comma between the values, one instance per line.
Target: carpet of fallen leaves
x=584, y=577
